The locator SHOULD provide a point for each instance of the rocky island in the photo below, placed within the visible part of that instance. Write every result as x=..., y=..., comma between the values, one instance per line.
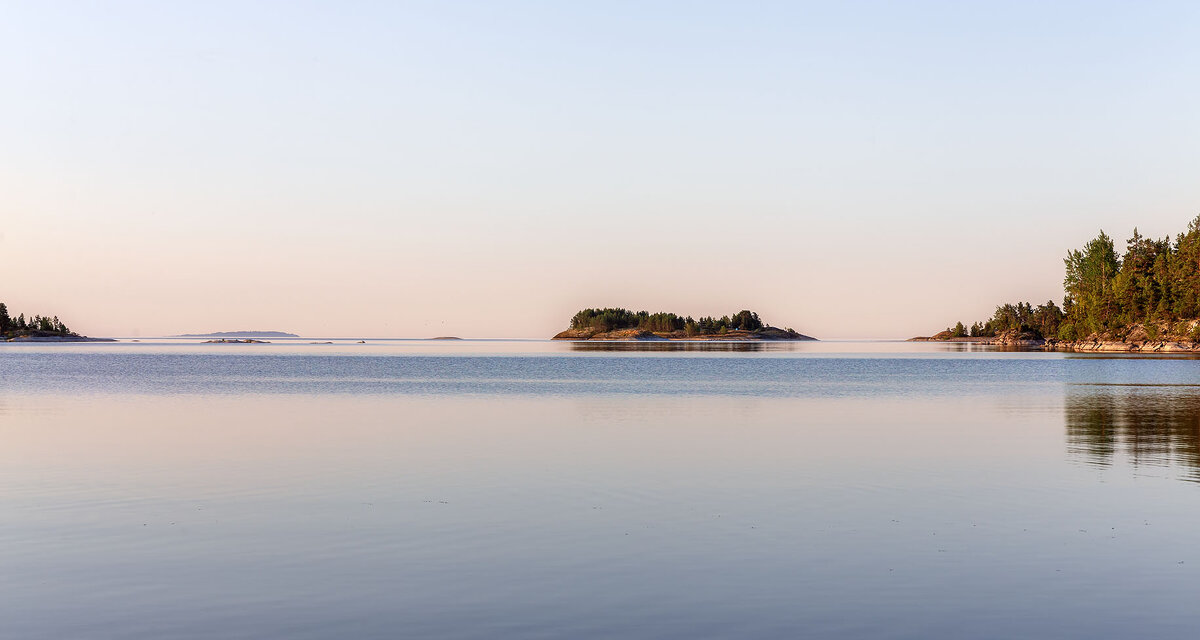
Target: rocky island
x=622, y=324
x=1147, y=301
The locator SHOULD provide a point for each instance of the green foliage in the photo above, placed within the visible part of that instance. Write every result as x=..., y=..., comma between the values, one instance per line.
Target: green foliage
x=45, y=324
x=1023, y=317
x=1155, y=283
x=1089, y=283
x=610, y=319
x=746, y=321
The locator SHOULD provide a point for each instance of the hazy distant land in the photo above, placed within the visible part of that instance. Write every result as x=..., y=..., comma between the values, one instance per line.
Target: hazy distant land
x=622, y=324
x=239, y=334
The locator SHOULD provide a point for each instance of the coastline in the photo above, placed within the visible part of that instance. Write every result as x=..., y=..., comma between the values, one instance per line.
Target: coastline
x=1085, y=346
x=57, y=339
x=1149, y=346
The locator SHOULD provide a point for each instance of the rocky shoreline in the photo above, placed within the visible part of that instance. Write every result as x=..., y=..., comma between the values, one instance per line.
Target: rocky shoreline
x=1149, y=346
x=1091, y=344
x=57, y=339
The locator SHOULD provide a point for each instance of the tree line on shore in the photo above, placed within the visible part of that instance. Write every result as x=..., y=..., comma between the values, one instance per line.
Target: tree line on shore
x=611, y=319
x=1155, y=283
x=10, y=326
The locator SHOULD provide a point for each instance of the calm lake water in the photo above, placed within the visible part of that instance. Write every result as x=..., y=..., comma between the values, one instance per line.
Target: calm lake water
x=491, y=489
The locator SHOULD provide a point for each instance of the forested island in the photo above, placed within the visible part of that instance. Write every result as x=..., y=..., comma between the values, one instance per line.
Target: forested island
x=622, y=324
x=35, y=328
x=1147, y=299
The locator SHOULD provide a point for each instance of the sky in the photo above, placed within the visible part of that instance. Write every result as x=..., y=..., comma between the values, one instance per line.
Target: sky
x=485, y=169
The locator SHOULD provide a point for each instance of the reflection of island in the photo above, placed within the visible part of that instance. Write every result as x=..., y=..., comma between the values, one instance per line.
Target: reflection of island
x=1151, y=425
x=622, y=324
x=672, y=346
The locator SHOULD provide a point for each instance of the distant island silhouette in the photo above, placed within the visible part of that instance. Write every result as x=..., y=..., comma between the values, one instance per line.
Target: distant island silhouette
x=622, y=324
x=239, y=334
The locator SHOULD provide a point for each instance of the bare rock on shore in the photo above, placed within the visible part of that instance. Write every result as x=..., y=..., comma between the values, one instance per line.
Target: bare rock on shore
x=57, y=339
x=1148, y=346
x=1162, y=337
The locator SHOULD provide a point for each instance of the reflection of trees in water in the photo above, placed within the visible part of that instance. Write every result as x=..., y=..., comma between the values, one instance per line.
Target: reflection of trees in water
x=1157, y=426
x=664, y=345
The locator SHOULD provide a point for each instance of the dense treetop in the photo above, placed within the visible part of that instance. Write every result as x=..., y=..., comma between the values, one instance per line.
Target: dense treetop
x=1155, y=283
x=35, y=325
x=610, y=319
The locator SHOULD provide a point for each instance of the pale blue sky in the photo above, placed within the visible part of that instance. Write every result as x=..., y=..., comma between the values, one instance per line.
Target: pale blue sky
x=484, y=169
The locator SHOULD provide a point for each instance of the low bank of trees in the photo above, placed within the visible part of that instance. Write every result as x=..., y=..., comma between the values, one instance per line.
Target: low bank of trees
x=1155, y=282
x=1044, y=320
x=12, y=326
x=610, y=319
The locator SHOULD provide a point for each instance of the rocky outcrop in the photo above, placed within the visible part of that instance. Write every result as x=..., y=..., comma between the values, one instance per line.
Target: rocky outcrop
x=1148, y=346
x=1163, y=337
x=55, y=338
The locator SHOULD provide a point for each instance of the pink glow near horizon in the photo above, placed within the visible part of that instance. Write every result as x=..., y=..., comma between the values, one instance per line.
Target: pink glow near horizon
x=849, y=171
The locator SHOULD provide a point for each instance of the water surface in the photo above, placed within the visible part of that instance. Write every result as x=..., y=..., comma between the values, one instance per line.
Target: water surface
x=534, y=489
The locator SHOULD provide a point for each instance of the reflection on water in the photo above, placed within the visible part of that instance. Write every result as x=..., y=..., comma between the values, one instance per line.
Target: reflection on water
x=1151, y=425
x=677, y=346
x=497, y=490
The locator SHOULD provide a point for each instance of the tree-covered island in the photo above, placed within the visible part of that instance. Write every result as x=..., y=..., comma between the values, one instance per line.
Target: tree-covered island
x=1147, y=299
x=36, y=327
x=622, y=324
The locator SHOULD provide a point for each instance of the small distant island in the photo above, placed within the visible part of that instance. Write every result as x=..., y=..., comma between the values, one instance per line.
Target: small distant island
x=1147, y=300
x=239, y=334
x=622, y=324
x=38, y=328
